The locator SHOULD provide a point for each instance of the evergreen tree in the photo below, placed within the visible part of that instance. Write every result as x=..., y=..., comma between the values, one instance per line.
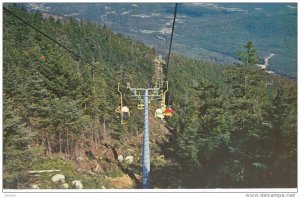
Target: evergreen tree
x=280, y=144
x=17, y=153
x=248, y=57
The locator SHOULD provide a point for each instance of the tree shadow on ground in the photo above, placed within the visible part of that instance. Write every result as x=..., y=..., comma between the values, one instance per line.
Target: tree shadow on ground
x=167, y=176
x=173, y=175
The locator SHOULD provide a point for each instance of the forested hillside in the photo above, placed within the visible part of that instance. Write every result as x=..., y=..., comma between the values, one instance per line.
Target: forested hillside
x=233, y=126
x=52, y=98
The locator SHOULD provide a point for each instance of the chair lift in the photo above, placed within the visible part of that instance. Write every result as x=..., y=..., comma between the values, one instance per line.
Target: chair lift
x=163, y=111
x=159, y=112
x=168, y=111
x=140, y=106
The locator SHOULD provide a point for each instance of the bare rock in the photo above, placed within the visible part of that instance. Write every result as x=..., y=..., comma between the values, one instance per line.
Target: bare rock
x=129, y=159
x=35, y=186
x=120, y=158
x=58, y=177
x=77, y=184
x=65, y=186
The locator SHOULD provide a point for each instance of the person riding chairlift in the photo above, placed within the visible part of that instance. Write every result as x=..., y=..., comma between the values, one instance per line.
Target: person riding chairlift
x=169, y=111
x=159, y=113
x=125, y=112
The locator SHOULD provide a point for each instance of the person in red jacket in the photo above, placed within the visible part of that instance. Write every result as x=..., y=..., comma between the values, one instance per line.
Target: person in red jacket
x=169, y=112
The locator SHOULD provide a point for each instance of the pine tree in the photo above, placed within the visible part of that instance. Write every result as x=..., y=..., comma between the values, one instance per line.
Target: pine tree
x=248, y=57
x=280, y=144
x=201, y=139
x=17, y=153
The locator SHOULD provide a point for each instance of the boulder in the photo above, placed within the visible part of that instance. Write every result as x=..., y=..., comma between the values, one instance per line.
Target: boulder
x=34, y=186
x=129, y=159
x=65, y=186
x=58, y=177
x=120, y=158
x=77, y=184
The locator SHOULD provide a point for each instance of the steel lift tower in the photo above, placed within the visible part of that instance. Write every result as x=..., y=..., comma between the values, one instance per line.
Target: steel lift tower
x=145, y=96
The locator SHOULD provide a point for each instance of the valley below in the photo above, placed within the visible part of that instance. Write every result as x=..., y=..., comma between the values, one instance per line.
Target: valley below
x=211, y=32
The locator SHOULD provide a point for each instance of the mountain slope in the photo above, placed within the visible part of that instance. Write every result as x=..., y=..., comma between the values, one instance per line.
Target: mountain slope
x=205, y=31
x=233, y=127
x=53, y=100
